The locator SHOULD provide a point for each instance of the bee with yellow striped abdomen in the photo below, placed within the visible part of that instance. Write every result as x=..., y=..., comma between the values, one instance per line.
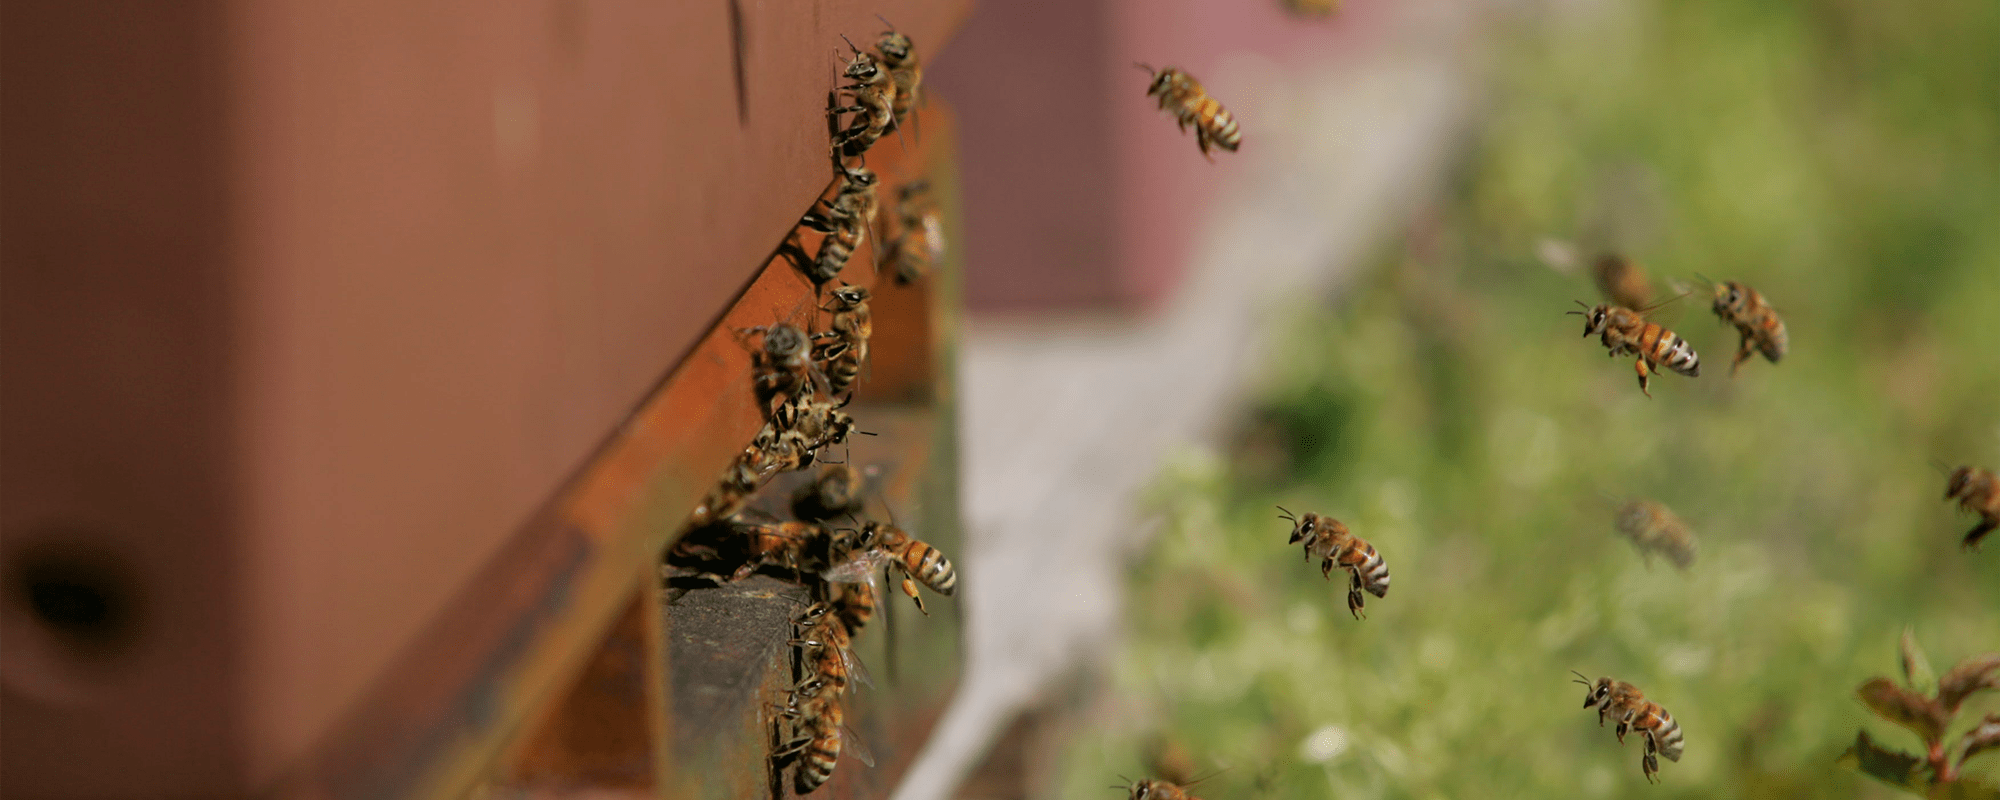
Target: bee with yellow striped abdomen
x=1755, y=321
x=1328, y=538
x=1625, y=332
x=1181, y=95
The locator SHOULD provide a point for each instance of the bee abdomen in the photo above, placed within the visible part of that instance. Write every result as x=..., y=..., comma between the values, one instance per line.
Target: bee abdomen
x=820, y=758
x=1375, y=573
x=1676, y=354
x=1667, y=738
x=931, y=567
x=1773, y=343
x=1220, y=124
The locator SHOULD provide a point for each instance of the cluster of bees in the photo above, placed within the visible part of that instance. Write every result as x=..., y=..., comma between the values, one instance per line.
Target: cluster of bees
x=803, y=382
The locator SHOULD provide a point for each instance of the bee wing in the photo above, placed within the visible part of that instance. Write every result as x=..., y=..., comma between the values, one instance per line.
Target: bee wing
x=854, y=668
x=851, y=745
x=858, y=568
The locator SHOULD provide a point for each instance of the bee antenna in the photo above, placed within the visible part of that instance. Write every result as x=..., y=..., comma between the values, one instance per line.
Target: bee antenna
x=850, y=44
x=1580, y=678
x=885, y=21
x=1145, y=66
x=1287, y=515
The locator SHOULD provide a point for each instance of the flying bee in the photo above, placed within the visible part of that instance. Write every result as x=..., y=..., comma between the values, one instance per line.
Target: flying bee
x=845, y=346
x=1977, y=491
x=1311, y=8
x=835, y=491
x=1756, y=322
x=1622, y=281
x=1653, y=528
x=848, y=217
x=877, y=544
x=818, y=742
x=899, y=55
x=1328, y=538
x=783, y=369
x=919, y=243
x=1626, y=332
x=1626, y=704
x=873, y=94
x=1181, y=95
x=1153, y=789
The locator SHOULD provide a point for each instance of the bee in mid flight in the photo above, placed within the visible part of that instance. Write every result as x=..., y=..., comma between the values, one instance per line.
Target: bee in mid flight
x=1328, y=538
x=1152, y=789
x=878, y=544
x=1626, y=332
x=835, y=491
x=1756, y=322
x=1626, y=704
x=1181, y=95
x=1622, y=281
x=843, y=348
x=1653, y=528
x=919, y=243
x=1977, y=491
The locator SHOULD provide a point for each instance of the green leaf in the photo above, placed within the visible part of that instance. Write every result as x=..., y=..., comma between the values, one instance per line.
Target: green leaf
x=1962, y=790
x=1971, y=675
x=1906, y=708
x=1917, y=672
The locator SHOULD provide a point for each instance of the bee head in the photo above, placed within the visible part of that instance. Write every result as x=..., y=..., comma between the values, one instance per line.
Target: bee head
x=1593, y=319
x=1958, y=483
x=849, y=297
x=1162, y=79
x=893, y=46
x=1728, y=298
x=1302, y=528
x=784, y=341
x=862, y=66
x=1594, y=693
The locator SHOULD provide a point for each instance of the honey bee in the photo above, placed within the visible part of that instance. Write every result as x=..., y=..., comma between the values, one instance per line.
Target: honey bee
x=824, y=639
x=1622, y=281
x=1311, y=8
x=1756, y=322
x=1181, y=95
x=848, y=217
x=874, y=96
x=899, y=55
x=845, y=346
x=739, y=481
x=1626, y=704
x=816, y=423
x=1327, y=538
x=835, y=491
x=854, y=603
x=1152, y=789
x=1655, y=529
x=786, y=544
x=919, y=243
x=783, y=367
x=880, y=543
x=1625, y=332
x=1977, y=491
x=818, y=742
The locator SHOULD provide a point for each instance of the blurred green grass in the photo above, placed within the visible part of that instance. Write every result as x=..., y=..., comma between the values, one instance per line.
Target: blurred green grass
x=1841, y=156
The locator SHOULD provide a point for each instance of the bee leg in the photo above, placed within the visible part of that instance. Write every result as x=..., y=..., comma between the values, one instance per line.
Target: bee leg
x=1649, y=764
x=1742, y=354
x=1979, y=532
x=1326, y=568
x=1622, y=729
x=910, y=588
x=1644, y=375
x=1354, y=603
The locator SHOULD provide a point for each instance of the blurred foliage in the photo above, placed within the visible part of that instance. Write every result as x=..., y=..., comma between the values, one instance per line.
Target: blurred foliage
x=1841, y=156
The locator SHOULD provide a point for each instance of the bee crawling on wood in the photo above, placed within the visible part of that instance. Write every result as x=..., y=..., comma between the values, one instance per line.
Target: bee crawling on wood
x=1977, y=491
x=1625, y=332
x=1755, y=321
x=820, y=736
x=896, y=53
x=1181, y=95
x=873, y=95
x=1626, y=704
x=782, y=367
x=1328, y=538
x=841, y=350
x=846, y=221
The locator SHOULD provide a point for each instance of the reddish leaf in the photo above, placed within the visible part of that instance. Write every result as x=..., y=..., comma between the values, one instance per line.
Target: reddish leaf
x=1980, y=739
x=1893, y=767
x=1971, y=675
x=1906, y=708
